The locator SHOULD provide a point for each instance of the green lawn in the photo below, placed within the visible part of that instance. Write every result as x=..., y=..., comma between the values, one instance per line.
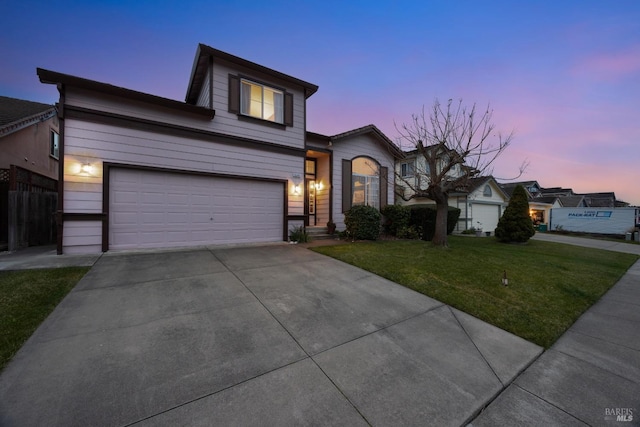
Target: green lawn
x=26, y=299
x=550, y=284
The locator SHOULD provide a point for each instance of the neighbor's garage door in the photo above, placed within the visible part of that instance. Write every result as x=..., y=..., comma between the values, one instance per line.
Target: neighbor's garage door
x=160, y=209
x=487, y=215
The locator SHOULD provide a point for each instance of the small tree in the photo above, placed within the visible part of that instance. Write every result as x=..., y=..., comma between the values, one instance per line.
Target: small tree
x=457, y=143
x=516, y=225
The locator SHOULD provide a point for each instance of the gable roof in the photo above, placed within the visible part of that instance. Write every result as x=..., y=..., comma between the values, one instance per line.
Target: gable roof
x=475, y=183
x=600, y=200
x=205, y=53
x=376, y=133
x=508, y=187
x=571, y=201
x=53, y=77
x=16, y=114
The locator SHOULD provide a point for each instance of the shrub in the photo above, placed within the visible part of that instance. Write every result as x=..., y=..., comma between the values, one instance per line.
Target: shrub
x=410, y=232
x=515, y=225
x=396, y=217
x=299, y=234
x=363, y=222
x=423, y=217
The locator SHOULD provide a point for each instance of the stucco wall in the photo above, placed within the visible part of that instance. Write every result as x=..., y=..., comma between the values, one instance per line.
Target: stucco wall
x=29, y=148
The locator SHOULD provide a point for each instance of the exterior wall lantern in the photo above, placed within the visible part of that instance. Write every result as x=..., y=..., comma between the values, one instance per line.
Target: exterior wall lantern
x=87, y=169
x=296, y=188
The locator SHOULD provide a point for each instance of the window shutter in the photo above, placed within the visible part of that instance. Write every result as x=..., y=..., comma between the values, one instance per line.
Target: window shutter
x=384, y=185
x=346, y=185
x=234, y=94
x=288, y=109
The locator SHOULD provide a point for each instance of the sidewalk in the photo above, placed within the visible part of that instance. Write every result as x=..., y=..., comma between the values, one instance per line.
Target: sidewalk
x=591, y=375
x=43, y=257
x=609, y=245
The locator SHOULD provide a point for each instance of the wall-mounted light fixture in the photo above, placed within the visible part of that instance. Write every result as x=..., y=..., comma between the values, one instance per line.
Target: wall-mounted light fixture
x=296, y=187
x=87, y=169
x=319, y=186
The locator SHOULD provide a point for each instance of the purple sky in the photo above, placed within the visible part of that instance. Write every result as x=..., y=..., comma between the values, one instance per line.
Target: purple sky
x=564, y=75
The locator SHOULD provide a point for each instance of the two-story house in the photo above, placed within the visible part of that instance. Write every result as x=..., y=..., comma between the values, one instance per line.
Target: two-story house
x=480, y=199
x=234, y=163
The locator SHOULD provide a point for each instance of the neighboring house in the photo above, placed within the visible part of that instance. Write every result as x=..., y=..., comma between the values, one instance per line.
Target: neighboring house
x=232, y=164
x=29, y=136
x=602, y=200
x=28, y=164
x=413, y=176
x=481, y=201
x=542, y=200
x=481, y=204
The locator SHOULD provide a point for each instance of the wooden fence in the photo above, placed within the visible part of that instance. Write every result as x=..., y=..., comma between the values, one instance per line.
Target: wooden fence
x=28, y=202
x=31, y=219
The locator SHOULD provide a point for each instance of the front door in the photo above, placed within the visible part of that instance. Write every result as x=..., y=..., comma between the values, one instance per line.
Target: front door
x=310, y=191
x=311, y=200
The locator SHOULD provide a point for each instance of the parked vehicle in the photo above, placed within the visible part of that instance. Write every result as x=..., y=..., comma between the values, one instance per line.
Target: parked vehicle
x=595, y=220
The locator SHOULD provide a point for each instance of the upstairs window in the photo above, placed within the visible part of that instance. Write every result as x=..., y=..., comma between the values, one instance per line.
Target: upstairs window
x=54, y=144
x=261, y=102
x=487, y=191
x=407, y=169
x=267, y=104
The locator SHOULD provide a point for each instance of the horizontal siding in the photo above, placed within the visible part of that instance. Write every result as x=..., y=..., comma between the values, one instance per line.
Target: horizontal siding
x=229, y=123
x=323, y=196
x=98, y=143
x=203, y=97
x=322, y=207
x=82, y=237
x=223, y=122
x=361, y=145
x=87, y=141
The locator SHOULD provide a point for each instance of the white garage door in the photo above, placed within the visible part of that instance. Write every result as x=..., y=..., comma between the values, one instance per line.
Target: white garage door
x=160, y=209
x=487, y=215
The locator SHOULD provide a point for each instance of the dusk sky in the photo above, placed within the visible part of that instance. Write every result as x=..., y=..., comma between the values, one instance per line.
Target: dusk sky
x=564, y=75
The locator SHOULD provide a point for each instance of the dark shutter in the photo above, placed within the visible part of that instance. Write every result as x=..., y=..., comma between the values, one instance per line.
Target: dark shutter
x=288, y=109
x=384, y=185
x=346, y=185
x=234, y=94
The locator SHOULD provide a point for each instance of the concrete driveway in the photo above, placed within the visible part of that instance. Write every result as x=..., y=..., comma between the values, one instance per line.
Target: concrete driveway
x=261, y=335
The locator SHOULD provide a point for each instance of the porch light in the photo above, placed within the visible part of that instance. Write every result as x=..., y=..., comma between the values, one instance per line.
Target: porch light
x=296, y=189
x=87, y=169
x=319, y=186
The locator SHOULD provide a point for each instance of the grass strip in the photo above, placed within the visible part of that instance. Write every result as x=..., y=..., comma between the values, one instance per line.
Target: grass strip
x=27, y=297
x=550, y=284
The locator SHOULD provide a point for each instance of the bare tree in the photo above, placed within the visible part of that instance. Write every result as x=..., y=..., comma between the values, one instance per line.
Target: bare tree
x=452, y=143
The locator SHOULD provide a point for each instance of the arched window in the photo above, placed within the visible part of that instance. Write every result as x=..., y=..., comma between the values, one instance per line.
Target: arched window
x=487, y=191
x=365, y=182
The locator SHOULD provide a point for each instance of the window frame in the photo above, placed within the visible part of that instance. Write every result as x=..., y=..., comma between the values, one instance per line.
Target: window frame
x=371, y=184
x=280, y=106
x=410, y=166
x=54, y=144
x=234, y=98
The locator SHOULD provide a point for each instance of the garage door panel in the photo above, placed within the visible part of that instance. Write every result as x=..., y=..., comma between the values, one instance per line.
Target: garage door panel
x=487, y=215
x=157, y=209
